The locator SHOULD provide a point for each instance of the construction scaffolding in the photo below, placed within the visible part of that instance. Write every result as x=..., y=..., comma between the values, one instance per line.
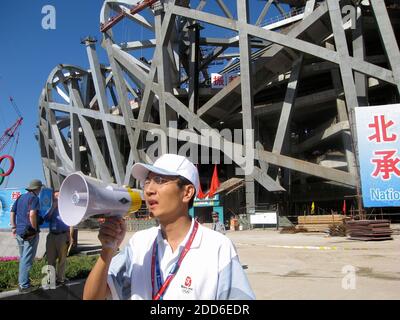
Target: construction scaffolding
x=292, y=81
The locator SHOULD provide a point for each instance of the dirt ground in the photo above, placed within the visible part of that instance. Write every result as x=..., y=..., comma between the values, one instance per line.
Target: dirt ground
x=303, y=266
x=312, y=265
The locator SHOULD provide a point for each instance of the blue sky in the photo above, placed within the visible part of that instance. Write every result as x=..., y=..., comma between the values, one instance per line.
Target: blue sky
x=28, y=54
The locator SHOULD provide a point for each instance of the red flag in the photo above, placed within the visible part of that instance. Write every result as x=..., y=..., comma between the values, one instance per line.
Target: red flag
x=344, y=207
x=214, y=183
x=200, y=193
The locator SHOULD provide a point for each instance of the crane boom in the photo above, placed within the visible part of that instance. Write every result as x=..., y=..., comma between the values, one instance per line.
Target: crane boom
x=137, y=8
x=9, y=133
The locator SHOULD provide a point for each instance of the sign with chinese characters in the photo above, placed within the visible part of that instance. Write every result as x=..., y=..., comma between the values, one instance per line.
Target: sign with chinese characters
x=219, y=81
x=9, y=196
x=378, y=135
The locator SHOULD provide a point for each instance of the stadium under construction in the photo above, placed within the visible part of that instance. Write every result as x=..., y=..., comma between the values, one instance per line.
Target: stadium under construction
x=293, y=80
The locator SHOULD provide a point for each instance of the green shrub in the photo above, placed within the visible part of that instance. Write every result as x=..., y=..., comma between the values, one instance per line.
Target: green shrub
x=8, y=275
x=78, y=267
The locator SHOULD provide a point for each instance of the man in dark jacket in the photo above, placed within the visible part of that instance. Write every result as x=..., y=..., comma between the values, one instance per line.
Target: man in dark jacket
x=25, y=227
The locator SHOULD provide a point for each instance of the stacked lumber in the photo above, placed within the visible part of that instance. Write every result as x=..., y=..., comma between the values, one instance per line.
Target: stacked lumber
x=319, y=223
x=368, y=230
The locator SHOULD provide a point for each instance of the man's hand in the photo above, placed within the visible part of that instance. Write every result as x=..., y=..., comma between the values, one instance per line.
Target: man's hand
x=112, y=233
x=33, y=218
x=13, y=223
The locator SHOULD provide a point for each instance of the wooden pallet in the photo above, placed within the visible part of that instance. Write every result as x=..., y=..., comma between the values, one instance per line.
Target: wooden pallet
x=320, y=219
x=319, y=223
x=317, y=226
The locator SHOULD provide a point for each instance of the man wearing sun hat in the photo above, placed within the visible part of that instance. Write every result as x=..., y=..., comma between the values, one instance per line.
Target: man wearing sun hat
x=25, y=227
x=180, y=259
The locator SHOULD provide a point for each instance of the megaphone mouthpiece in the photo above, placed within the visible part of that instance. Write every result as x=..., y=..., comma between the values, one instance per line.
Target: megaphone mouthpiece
x=79, y=198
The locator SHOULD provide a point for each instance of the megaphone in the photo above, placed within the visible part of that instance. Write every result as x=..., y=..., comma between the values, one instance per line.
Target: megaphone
x=81, y=197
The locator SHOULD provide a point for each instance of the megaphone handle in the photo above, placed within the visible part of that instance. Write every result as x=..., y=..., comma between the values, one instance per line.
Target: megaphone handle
x=111, y=244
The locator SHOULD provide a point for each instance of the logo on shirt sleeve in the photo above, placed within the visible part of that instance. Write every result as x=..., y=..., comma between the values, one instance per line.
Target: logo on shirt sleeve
x=186, y=287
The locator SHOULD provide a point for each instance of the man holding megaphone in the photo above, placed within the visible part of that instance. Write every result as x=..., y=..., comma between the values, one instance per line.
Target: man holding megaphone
x=180, y=259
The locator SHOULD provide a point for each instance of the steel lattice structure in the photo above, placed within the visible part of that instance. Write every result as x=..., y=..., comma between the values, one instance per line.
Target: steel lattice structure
x=300, y=79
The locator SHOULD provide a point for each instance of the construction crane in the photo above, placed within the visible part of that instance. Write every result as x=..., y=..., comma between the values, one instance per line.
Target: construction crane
x=136, y=8
x=9, y=134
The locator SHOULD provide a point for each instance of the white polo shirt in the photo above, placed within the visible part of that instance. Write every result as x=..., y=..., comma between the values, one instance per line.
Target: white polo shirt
x=210, y=270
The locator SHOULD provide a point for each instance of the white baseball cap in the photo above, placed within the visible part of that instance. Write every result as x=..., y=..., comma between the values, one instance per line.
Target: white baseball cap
x=170, y=165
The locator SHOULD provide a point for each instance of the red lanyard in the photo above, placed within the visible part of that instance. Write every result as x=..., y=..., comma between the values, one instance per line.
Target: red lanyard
x=175, y=268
